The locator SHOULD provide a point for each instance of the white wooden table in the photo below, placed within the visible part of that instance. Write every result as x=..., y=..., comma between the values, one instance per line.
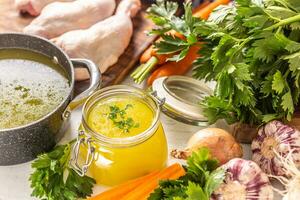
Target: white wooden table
x=14, y=184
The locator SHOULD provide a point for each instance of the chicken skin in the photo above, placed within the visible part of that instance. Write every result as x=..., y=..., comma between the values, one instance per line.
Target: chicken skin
x=33, y=7
x=105, y=41
x=60, y=17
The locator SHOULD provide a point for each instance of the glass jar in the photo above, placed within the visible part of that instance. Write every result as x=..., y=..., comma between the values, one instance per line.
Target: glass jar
x=112, y=160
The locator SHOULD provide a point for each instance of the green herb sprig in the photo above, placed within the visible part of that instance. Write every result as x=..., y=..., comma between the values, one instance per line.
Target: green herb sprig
x=201, y=179
x=251, y=49
x=163, y=14
x=118, y=116
x=53, y=179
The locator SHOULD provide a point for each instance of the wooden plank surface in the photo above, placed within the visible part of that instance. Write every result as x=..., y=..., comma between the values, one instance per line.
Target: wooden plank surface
x=12, y=21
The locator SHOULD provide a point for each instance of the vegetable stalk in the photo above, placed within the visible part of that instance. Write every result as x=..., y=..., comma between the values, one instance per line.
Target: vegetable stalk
x=284, y=22
x=142, y=71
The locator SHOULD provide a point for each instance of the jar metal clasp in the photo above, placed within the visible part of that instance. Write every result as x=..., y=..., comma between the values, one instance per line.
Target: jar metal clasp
x=160, y=101
x=74, y=161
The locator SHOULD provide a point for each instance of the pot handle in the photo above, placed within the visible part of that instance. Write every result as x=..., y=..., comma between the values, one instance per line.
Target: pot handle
x=95, y=81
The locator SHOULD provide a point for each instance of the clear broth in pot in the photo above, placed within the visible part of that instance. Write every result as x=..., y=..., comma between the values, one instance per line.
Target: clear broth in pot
x=31, y=86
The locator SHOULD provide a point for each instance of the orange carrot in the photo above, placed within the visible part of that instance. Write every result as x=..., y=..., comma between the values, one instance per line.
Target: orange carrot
x=151, y=51
x=146, y=55
x=206, y=11
x=162, y=58
x=201, y=6
x=143, y=191
x=180, y=173
x=175, y=176
x=123, y=189
x=175, y=68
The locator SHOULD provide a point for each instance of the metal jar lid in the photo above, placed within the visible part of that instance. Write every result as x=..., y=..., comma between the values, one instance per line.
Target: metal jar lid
x=180, y=97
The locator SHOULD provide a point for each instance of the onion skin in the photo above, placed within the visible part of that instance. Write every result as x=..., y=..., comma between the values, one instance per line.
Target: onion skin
x=221, y=144
x=278, y=137
x=244, y=181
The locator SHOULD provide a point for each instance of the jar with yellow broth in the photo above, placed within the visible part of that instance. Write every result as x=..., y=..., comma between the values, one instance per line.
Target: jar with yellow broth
x=121, y=136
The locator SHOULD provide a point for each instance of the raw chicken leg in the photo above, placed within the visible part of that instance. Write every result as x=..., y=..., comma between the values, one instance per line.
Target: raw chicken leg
x=33, y=7
x=60, y=17
x=105, y=41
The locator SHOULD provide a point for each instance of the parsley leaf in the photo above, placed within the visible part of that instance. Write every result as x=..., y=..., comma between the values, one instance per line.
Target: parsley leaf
x=201, y=179
x=53, y=179
x=278, y=82
x=195, y=192
x=287, y=104
x=170, y=44
x=294, y=60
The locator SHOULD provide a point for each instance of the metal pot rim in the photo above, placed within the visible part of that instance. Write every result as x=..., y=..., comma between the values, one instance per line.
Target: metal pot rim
x=67, y=96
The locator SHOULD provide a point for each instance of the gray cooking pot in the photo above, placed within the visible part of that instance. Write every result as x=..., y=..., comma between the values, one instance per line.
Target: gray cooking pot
x=24, y=143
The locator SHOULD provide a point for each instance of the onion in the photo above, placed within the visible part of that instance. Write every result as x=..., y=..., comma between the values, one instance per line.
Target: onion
x=221, y=144
x=275, y=137
x=244, y=180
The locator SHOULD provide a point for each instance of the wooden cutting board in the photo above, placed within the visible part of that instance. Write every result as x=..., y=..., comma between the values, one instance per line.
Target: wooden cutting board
x=11, y=21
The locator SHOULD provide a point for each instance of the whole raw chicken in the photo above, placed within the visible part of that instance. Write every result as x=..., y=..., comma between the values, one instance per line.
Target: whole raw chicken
x=33, y=7
x=105, y=41
x=60, y=17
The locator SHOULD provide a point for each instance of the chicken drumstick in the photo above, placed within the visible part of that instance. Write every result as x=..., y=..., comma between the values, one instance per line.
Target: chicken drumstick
x=105, y=41
x=60, y=17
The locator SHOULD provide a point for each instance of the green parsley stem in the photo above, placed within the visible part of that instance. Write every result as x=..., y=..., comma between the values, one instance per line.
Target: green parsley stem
x=69, y=152
x=138, y=70
x=286, y=75
x=286, y=5
x=272, y=17
x=284, y=22
x=241, y=46
x=143, y=70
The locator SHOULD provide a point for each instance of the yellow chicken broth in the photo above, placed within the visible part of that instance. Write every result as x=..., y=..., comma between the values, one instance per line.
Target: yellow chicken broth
x=99, y=121
x=31, y=86
x=114, y=165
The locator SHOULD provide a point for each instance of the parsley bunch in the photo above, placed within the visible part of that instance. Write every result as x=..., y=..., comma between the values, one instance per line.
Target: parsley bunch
x=251, y=48
x=53, y=179
x=201, y=179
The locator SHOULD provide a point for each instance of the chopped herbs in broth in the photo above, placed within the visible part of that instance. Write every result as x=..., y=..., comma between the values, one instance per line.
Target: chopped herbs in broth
x=31, y=86
x=120, y=116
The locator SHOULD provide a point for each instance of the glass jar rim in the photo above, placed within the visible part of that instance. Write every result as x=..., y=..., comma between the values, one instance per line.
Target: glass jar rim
x=111, y=91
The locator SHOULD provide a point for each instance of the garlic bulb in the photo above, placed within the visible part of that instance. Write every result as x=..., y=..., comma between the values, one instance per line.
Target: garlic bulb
x=244, y=181
x=275, y=137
